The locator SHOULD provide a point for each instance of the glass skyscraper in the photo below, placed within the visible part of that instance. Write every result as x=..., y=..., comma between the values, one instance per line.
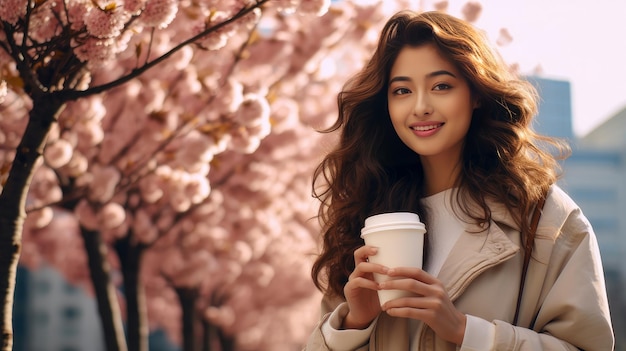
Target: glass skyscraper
x=595, y=177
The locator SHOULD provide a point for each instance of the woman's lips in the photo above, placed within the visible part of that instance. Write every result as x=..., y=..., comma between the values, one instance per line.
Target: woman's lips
x=424, y=130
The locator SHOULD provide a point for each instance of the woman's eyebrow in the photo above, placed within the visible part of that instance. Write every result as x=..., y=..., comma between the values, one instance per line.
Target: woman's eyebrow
x=442, y=72
x=429, y=75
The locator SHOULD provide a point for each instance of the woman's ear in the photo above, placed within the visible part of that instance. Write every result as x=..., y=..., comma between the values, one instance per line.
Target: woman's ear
x=476, y=103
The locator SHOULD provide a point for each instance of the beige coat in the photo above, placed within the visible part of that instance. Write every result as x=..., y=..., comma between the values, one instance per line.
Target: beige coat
x=564, y=301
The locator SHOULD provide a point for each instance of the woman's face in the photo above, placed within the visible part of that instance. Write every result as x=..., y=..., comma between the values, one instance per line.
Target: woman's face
x=430, y=103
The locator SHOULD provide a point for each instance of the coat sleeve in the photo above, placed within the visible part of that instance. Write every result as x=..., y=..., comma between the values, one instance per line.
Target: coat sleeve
x=573, y=311
x=316, y=341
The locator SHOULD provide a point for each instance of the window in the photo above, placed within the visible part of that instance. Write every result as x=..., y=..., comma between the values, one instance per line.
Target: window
x=71, y=313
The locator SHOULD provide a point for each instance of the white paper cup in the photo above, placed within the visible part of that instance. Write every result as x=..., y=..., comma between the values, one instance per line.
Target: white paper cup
x=399, y=237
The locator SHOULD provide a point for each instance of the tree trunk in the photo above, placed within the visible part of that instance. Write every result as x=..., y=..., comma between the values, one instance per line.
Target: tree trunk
x=187, y=298
x=207, y=335
x=106, y=296
x=13, y=201
x=213, y=336
x=227, y=342
x=136, y=312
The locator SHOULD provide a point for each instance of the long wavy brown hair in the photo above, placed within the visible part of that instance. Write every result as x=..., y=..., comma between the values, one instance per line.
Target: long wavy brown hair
x=371, y=171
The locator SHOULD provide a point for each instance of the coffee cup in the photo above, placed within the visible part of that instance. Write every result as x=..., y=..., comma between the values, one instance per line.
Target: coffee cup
x=399, y=237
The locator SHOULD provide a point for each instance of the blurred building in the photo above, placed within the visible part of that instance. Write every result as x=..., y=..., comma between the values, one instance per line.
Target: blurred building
x=594, y=176
x=54, y=315
x=51, y=315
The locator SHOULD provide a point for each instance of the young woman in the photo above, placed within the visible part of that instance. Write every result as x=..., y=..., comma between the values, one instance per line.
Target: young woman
x=437, y=125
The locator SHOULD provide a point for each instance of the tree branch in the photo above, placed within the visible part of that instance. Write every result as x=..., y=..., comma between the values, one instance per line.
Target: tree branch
x=74, y=94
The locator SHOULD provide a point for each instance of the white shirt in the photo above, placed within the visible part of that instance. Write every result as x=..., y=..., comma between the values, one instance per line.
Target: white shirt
x=444, y=228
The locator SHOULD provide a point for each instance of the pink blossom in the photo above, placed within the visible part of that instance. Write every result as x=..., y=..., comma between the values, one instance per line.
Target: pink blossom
x=165, y=219
x=12, y=10
x=145, y=232
x=284, y=116
x=471, y=11
x=197, y=188
x=263, y=273
x=260, y=130
x=58, y=154
x=441, y=6
x=96, y=51
x=3, y=88
x=182, y=59
x=106, y=23
x=223, y=316
x=504, y=37
x=41, y=218
x=45, y=189
x=110, y=235
x=253, y=110
x=286, y=6
x=105, y=181
x=86, y=215
x=242, y=141
x=150, y=188
x=77, y=11
x=43, y=23
x=134, y=7
x=111, y=215
x=77, y=166
x=314, y=7
x=159, y=13
x=179, y=202
x=230, y=96
x=250, y=19
x=217, y=233
x=241, y=252
x=218, y=38
x=89, y=134
x=90, y=109
x=267, y=61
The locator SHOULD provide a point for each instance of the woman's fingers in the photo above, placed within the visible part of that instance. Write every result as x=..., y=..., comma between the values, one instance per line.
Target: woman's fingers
x=363, y=253
x=414, y=273
x=430, y=303
x=361, y=289
x=362, y=266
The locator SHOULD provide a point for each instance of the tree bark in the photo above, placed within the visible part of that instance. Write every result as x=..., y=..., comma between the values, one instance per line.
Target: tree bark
x=13, y=201
x=227, y=342
x=106, y=295
x=213, y=336
x=207, y=335
x=187, y=298
x=136, y=312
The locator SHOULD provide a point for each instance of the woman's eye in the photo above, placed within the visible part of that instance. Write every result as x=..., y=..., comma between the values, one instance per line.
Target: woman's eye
x=401, y=91
x=442, y=86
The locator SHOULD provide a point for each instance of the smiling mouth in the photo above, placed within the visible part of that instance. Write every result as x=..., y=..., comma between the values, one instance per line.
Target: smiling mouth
x=426, y=128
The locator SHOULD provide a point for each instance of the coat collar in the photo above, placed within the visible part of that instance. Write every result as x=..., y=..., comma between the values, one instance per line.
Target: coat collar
x=480, y=248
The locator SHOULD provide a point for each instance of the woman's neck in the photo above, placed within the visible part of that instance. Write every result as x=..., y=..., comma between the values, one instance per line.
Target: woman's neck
x=439, y=174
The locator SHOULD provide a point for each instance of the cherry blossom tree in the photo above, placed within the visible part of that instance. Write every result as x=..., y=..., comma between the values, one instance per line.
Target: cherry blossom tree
x=49, y=51
x=55, y=54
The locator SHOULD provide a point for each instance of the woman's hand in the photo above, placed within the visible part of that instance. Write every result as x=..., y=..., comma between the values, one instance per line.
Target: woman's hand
x=431, y=304
x=361, y=291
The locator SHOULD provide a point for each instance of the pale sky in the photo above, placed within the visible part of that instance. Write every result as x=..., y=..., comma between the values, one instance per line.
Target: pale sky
x=583, y=42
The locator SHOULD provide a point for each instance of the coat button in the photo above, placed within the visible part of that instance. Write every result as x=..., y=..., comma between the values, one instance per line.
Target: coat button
x=498, y=247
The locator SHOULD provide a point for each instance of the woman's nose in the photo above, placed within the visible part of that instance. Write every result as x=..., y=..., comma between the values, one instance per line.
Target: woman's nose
x=423, y=106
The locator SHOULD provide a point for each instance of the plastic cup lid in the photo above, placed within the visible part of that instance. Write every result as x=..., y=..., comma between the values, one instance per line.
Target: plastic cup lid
x=392, y=217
